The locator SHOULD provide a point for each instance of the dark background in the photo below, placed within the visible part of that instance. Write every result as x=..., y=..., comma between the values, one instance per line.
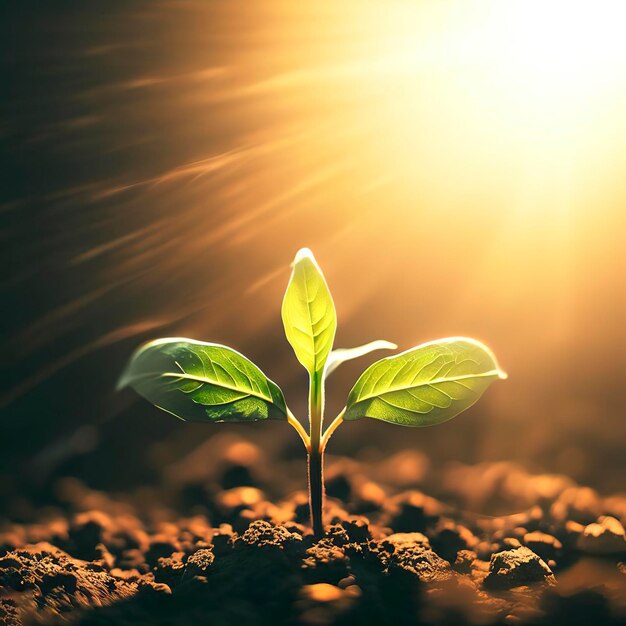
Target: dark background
x=161, y=163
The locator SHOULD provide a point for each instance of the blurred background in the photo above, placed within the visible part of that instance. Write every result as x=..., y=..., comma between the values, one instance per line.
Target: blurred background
x=457, y=168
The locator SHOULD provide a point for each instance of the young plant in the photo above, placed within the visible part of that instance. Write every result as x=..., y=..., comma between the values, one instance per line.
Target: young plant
x=207, y=382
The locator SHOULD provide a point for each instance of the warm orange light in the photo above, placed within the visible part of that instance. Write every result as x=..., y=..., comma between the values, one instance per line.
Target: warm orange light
x=492, y=86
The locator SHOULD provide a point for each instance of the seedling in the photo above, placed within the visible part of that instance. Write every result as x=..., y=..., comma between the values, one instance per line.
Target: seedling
x=207, y=382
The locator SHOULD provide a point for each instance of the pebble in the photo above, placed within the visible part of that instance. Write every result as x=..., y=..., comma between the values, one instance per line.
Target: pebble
x=514, y=568
x=606, y=536
x=321, y=592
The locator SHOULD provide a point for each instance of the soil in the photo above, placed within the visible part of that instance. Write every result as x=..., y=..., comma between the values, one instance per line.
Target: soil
x=401, y=548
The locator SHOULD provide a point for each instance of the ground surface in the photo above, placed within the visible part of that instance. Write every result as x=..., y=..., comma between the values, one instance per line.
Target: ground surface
x=209, y=546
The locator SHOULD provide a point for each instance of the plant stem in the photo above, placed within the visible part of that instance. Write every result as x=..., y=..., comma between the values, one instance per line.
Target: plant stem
x=315, y=456
x=293, y=420
x=334, y=425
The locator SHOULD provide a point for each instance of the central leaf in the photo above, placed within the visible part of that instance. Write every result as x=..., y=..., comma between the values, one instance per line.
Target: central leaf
x=308, y=313
x=202, y=382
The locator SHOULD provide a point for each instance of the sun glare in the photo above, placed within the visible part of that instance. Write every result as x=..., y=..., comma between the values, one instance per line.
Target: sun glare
x=550, y=54
x=561, y=44
x=493, y=87
x=555, y=46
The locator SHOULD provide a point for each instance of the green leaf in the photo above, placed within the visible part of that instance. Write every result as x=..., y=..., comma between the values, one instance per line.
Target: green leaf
x=203, y=382
x=426, y=385
x=341, y=355
x=308, y=313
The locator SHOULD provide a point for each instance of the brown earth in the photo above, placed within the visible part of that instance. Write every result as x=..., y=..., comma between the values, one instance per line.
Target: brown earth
x=210, y=547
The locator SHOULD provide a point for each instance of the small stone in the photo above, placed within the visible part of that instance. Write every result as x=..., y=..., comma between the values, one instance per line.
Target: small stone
x=321, y=592
x=411, y=553
x=401, y=540
x=606, y=536
x=515, y=568
x=464, y=560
